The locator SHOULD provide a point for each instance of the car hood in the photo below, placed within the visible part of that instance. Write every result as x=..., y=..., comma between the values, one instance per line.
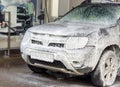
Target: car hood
x=66, y=29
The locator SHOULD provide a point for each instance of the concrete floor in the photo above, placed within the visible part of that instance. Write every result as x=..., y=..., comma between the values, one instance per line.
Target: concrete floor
x=15, y=73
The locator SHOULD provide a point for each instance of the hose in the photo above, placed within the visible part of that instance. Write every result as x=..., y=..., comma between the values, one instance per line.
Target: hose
x=13, y=29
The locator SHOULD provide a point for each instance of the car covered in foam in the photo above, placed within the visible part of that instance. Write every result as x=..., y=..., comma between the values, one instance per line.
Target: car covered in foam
x=83, y=41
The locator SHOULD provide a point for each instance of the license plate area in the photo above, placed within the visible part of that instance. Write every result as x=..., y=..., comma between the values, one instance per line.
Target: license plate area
x=43, y=56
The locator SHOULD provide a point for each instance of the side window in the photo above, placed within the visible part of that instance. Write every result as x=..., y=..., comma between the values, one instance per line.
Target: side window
x=21, y=10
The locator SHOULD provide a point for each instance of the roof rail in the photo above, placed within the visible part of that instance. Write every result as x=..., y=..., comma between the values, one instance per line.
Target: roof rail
x=104, y=1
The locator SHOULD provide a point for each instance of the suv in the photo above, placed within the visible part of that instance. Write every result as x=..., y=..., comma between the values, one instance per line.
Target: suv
x=84, y=41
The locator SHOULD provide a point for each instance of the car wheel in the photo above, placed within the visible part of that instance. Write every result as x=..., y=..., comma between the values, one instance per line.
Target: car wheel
x=106, y=71
x=36, y=69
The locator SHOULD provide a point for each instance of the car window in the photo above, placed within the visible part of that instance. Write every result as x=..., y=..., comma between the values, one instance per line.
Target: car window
x=21, y=10
x=100, y=14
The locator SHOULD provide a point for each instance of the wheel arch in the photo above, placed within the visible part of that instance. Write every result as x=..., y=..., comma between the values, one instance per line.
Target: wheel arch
x=114, y=48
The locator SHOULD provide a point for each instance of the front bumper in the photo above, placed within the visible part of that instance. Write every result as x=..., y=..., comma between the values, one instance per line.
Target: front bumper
x=73, y=61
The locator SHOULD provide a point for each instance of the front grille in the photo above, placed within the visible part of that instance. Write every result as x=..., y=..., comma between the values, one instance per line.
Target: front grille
x=36, y=42
x=56, y=64
x=60, y=45
x=48, y=40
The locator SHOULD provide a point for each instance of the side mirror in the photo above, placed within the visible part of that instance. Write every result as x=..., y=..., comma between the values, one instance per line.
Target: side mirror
x=118, y=21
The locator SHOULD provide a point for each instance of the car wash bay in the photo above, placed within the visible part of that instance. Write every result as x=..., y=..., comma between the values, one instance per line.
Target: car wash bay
x=15, y=73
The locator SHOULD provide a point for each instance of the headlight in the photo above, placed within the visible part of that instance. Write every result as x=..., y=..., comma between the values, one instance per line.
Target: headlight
x=76, y=42
x=25, y=41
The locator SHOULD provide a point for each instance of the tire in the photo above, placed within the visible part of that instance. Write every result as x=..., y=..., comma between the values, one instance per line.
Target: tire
x=36, y=69
x=106, y=71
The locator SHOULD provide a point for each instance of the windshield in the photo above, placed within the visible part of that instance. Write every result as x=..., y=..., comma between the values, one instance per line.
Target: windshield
x=21, y=8
x=93, y=13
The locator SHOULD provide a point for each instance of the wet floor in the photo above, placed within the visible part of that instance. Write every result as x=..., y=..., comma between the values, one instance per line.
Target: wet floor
x=15, y=73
